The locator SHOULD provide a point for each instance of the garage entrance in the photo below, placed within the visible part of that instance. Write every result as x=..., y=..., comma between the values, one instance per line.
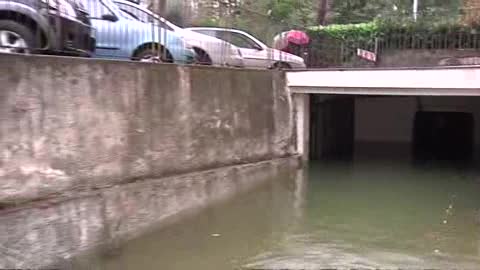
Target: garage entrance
x=417, y=128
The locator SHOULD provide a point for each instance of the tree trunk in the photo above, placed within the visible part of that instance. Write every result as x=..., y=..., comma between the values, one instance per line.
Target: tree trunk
x=162, y=7
x=323, y=11
x=471, y=12
x=158, y=6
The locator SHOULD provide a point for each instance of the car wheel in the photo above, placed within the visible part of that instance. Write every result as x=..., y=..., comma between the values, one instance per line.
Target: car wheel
x=16, y=38
x=281, y=66
x=202, y=58
x=153, y=55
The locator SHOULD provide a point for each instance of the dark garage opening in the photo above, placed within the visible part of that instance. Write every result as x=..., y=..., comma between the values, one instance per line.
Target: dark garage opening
x=417, y=128
x=443, y=135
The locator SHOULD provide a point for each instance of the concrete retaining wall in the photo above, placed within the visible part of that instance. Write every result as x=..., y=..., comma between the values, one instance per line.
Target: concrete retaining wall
x=49, y=234
x=428, y=58
x=68, y=126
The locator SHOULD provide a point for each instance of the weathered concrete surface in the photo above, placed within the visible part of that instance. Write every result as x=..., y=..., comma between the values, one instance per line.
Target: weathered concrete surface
x=302, y=115
x=428, y=58
x=69, y=126
x=47, y=234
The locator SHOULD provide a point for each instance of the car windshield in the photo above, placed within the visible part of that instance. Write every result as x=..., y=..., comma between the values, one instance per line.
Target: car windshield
x=128, y=15
x=144, y=16
x=111, y=5
x=136, y=12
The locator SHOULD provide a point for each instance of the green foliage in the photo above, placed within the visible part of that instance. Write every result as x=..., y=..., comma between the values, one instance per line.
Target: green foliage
x=347, y=31
x=383, y=28
x=358, y=11
x=291, y=12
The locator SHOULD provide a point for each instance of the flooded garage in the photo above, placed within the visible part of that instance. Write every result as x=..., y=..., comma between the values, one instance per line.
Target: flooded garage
x=370, y=214
x=417, y=128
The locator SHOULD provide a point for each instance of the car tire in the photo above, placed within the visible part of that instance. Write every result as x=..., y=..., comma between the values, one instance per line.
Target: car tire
x=153, y=55
x=202, y=58
x=281, y=66
x=16, y=34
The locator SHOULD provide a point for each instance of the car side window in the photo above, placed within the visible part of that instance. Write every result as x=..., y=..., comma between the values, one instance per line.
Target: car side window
x=206, y=32
x=238, y=40
x=97, y=9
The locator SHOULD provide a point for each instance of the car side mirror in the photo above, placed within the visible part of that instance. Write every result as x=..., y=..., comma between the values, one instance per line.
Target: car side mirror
x=109, y=17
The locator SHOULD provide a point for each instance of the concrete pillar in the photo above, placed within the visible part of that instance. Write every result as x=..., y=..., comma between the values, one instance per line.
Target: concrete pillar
x=302, y=118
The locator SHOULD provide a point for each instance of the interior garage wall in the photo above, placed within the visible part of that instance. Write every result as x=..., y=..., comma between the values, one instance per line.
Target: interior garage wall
x=384, y=119
x=391, y=119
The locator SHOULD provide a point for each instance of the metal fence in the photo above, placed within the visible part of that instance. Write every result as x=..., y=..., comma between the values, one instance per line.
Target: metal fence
x=433, y=37
x=327, y=52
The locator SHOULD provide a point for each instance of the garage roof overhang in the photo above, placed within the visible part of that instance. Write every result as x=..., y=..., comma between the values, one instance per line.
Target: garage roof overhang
x=444, y=81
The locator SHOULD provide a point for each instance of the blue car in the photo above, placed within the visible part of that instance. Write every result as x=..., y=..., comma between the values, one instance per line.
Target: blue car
x=119, y=35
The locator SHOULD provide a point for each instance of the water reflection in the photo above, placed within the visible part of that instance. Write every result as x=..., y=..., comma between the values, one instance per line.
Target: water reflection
x=300, y=194
x=223, y=236
x=370, y=213
x=384, y=214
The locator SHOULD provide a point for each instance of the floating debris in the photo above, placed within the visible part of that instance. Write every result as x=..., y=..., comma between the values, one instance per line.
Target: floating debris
x=215, y=234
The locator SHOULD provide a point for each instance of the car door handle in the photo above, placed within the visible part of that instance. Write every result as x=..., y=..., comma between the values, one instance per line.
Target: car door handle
x=107, y=48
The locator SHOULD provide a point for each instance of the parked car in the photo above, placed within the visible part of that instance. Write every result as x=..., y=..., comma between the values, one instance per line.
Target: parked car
x=45, y=26
x=254, y=52
x=119, y=35
x=209, y=50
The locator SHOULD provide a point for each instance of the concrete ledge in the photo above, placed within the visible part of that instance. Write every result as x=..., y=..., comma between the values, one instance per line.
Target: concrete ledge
x=47, y=233
x=385, y=92
x=445, y=81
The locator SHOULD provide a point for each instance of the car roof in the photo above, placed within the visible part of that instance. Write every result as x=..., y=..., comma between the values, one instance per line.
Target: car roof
x=232, y=30
x=216, y=29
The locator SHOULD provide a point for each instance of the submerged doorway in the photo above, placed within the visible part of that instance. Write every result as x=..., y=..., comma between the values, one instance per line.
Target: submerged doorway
x=438, y=128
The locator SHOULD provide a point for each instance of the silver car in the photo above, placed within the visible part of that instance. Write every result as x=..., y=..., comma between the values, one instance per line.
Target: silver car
x=254, y=52
x=209, y=50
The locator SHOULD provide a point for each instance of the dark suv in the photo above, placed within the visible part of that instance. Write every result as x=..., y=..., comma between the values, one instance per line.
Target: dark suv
x=45, y=26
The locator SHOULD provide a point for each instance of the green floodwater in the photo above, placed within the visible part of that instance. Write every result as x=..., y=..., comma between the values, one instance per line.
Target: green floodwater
x=369, y=213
